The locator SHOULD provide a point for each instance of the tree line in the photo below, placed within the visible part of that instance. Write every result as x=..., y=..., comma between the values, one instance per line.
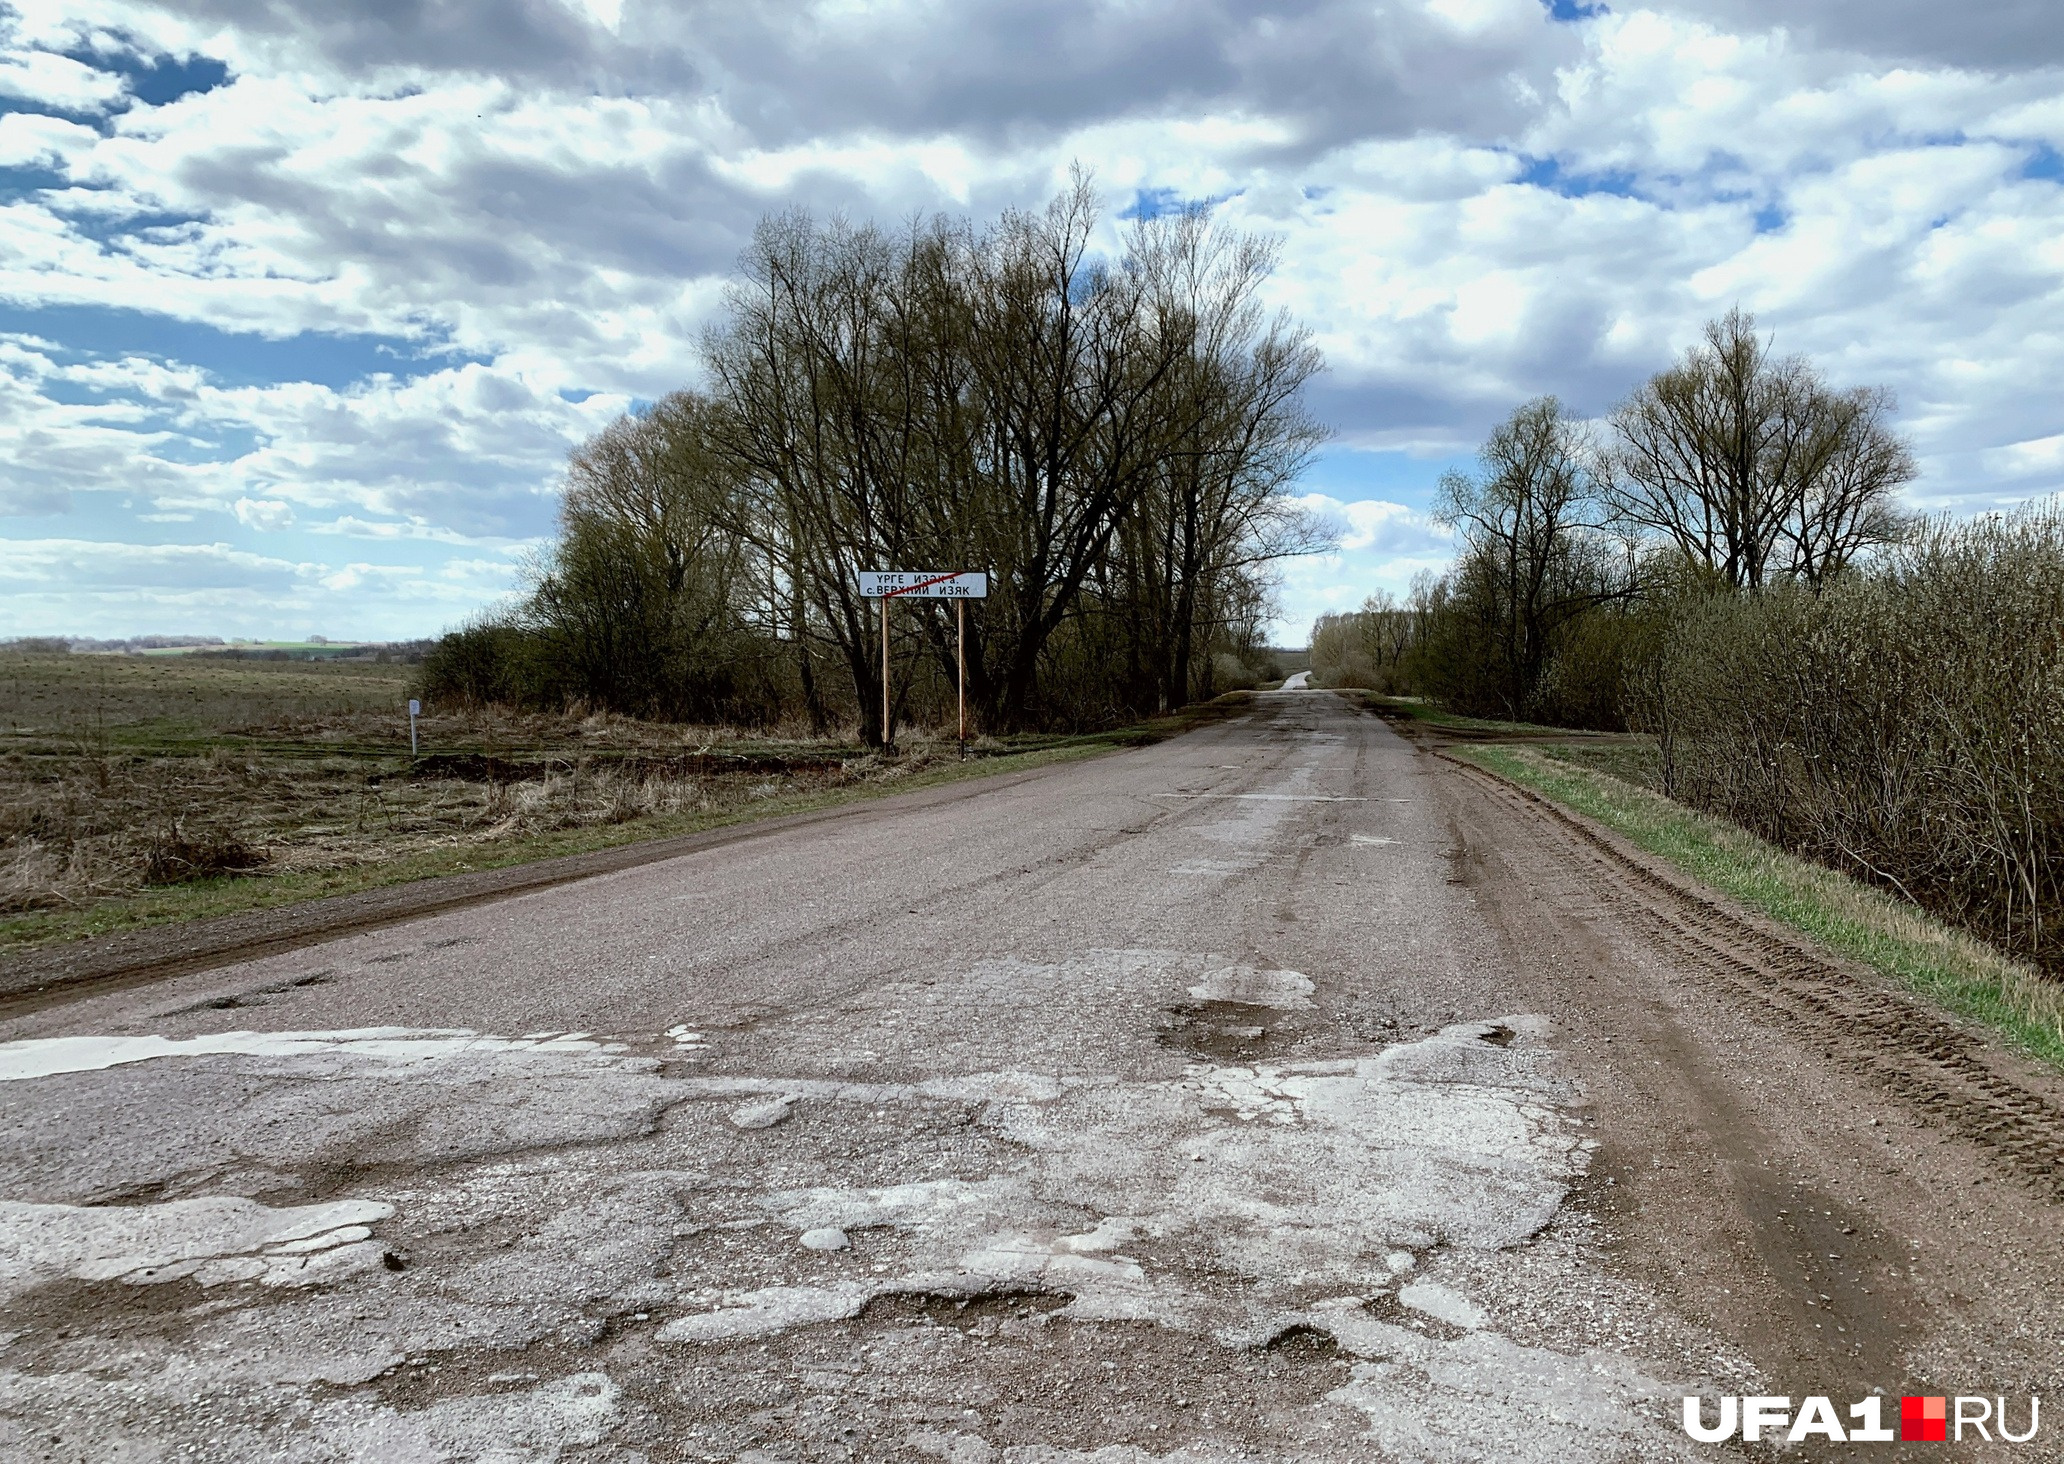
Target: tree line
x=1110, y=437
x=1723, y=564
x=1733, y=470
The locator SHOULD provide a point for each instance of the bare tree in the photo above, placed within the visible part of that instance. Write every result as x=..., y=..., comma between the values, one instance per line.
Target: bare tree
x=1843, y=505
x=1752, y=465
x=1112, y=438
x=645, y=599
x=1214, y=512
x=810, y=369
x=1533, y=556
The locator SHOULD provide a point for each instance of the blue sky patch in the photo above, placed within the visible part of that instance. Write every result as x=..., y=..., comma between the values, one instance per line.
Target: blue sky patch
x=1349, y=473
x=104, y=228
x=1152, y=203
x=232, y=358
x=18, y=182
x=156, y=80
x=1550, y=174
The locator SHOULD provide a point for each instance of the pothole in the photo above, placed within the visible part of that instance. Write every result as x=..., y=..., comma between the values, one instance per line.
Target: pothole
x=1227, y=1030
x=1304, y=1342
x=950, y=1309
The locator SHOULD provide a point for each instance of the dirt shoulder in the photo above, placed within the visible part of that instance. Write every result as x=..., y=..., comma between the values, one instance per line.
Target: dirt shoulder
x=1851, y=1185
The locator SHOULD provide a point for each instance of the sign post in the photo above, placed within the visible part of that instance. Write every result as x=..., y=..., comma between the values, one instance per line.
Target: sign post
x=958, y=586
x=415, y=709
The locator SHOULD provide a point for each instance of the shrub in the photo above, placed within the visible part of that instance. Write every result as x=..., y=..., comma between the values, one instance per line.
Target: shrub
x=1905, y=724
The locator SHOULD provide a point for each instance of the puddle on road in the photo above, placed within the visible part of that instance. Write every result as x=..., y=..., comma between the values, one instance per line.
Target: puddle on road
x=1239, y=1014
x=1230, y=1031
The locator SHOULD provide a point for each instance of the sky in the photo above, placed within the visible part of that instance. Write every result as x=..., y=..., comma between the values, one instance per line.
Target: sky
x=303, y=304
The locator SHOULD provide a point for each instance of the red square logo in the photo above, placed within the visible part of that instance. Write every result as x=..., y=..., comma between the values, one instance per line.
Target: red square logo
x=1924, y=1420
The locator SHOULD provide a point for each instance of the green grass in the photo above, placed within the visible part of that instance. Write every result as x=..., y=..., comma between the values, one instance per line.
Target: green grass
x=1630, y=759
x=1412, y=709
x=1946, y=966
x=230, y=895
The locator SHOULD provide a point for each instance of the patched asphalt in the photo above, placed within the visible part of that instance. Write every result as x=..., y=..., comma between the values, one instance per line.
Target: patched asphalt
x=1270, y=1093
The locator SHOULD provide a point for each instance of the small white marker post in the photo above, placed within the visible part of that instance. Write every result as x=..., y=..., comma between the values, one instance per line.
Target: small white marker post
x=415, y=709
x=959, y=586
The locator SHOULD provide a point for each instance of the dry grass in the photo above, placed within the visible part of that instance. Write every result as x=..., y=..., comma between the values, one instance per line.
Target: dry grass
x=118, y=773
x=118, y=698
x=135, y=790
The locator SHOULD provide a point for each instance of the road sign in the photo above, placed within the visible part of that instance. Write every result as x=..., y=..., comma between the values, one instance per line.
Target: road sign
x=415, y=710
x=923, y=585
x=908, y=584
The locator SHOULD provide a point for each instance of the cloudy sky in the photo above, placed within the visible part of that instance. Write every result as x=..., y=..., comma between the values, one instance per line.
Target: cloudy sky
x=303, y=302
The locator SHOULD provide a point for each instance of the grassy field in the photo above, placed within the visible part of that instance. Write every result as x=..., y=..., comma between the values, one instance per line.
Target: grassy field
x=146, y=701
x=1867, y=925
x=141, y=790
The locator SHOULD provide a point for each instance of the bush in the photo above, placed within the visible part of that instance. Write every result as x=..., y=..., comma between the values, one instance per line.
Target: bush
x=487, y=662
x=1905, y=724
x=1230, y=673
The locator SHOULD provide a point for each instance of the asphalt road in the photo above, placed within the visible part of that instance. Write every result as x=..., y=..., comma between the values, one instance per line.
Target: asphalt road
x=1280, y=1092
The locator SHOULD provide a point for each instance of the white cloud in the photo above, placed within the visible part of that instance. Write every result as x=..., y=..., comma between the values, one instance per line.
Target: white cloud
x=2042, y=456
x=1383, y=545
x=29, y=139
x=89, y=587
x=1476, y=205
x=58, y=81
x=1377, y=526
x=263, y=513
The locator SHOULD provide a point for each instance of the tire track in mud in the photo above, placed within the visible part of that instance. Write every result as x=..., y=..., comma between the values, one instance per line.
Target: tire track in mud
x=1896, y=1042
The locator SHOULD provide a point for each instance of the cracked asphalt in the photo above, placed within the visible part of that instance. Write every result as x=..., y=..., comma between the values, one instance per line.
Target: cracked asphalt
x=1279, y=1092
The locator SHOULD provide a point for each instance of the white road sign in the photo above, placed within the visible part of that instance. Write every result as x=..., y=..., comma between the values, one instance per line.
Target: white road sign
x=923, y=585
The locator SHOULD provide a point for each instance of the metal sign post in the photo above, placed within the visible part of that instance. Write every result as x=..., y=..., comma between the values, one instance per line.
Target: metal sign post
x=415, y=709
x=960, y=586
